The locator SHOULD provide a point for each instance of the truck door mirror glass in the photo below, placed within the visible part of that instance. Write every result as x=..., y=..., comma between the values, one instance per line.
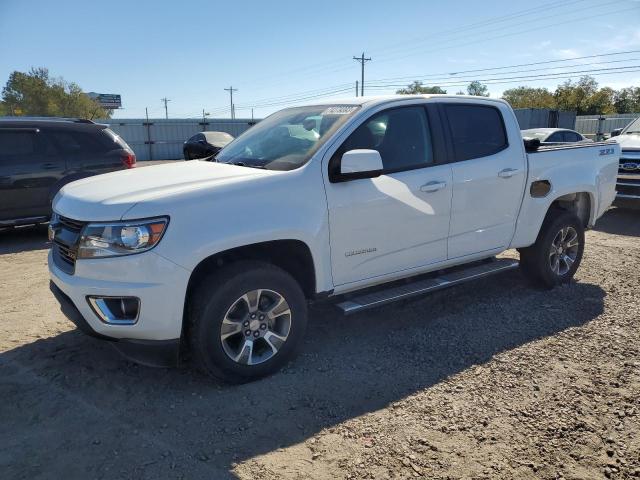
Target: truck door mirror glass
x=360, y=163
x=616, y=132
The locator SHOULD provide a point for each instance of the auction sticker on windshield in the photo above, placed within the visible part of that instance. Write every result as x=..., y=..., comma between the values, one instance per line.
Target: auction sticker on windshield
x=340, y=110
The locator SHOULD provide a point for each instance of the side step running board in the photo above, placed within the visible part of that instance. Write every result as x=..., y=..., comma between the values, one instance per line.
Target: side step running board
x=418, y=287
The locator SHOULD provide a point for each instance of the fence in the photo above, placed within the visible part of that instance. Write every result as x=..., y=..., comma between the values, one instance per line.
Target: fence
x=596, y=126
x=542, y=117
x=160, y=139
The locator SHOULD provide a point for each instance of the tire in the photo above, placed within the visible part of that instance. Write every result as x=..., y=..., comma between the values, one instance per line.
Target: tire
x=221, y=321
x=555, y=257
x=186, y=155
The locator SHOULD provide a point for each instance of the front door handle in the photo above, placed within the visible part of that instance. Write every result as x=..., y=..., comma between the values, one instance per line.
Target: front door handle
x=507, y=172
x=434, y=186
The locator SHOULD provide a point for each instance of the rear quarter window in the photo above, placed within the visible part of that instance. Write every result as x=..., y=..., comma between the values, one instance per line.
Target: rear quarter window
x=476, y=130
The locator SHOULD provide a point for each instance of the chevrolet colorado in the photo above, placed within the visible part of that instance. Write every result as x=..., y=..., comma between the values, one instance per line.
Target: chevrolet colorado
x=364, y=201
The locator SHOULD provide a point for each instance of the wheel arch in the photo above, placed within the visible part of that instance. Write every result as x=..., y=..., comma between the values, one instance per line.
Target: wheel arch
x=535, y=211
x=582, y=204
x=293, y=256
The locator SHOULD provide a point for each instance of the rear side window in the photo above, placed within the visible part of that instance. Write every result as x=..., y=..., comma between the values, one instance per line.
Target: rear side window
x=71, y=142
x=555, y=137
x=401, y=136
x=476, y=130
x=17, y=143
x=571, y=137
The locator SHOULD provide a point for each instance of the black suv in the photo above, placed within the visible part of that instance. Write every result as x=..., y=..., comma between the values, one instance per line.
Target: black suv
x=38, y=156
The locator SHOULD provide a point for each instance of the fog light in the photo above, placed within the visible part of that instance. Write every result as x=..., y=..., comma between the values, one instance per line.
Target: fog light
x=116, y=310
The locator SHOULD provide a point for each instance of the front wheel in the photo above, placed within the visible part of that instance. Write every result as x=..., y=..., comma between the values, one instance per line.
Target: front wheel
x=246, y=321
x=557, y=253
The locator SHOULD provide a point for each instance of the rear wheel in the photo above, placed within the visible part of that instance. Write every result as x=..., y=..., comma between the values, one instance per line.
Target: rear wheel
x=557, y=253
x=186, y=154
x=246, y=321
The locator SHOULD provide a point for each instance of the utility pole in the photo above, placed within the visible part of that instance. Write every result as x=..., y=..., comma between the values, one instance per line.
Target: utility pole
x=356, y=88
x=204, y=120
x=361, y=60
x=166, y=111
x=231, y=90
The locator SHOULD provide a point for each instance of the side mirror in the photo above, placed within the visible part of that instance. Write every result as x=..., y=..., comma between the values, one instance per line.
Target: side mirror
x=360, y=164
x=616, y=132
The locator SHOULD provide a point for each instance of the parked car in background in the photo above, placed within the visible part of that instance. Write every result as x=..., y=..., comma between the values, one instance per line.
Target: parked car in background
x=222, y=257
x=550, y=136
x=205, y=144
x=628, y=185
x=38, y=156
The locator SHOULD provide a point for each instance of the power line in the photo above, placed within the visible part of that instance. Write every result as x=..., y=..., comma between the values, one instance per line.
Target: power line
x=322, y=66
x=519, y=32
x=498, y=81
x=546, y=62
x=525, y=77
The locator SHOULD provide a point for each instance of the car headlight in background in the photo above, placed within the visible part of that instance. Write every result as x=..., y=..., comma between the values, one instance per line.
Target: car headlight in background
x=120, y=238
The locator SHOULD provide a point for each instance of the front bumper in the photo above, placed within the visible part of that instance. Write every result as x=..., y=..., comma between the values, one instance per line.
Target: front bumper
x=154, y=353
x=158, y=283
x=628, y=186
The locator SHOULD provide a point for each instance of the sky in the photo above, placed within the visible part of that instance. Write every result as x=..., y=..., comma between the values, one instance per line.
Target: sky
x=280, y=53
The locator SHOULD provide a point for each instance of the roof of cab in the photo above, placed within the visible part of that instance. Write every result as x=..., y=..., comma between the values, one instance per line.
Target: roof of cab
x=378, y=99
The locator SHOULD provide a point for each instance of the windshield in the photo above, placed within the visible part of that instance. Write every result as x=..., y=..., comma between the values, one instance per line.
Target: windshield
x=287, y=139
x=633, y=127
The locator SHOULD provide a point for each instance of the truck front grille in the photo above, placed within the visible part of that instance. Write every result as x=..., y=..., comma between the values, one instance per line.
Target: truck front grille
x=65, y=243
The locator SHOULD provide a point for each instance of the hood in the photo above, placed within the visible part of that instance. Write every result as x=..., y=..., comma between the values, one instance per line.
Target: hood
x=108, y=197
x=628, y=142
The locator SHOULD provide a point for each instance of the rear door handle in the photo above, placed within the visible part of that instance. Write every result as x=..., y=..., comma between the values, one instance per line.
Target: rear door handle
x=434, y=186
x=49, y=166
x=507, y=172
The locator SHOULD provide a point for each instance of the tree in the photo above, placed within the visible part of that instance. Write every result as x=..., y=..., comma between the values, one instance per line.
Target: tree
x=528, y=97
x=627, y=100
x=477, y=88
x=36, y=93
x=584, y=98
x=417, y=88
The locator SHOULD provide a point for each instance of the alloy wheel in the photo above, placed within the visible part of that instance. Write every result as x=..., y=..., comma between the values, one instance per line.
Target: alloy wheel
x=564, y=251
x=255, y=327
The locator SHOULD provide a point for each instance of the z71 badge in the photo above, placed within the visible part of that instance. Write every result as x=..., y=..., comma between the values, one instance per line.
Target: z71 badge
x=607, y=151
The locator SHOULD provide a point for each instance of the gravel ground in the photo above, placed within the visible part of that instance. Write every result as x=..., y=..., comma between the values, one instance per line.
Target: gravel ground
x=487, y=380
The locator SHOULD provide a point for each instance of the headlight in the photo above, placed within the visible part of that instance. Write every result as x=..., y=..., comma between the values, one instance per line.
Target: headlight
x=120, y=238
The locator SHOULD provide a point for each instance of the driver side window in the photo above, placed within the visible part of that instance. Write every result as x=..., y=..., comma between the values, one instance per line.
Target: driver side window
x=400, y=135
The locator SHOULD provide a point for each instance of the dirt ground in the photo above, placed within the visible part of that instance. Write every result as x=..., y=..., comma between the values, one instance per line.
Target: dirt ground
x=492, y=379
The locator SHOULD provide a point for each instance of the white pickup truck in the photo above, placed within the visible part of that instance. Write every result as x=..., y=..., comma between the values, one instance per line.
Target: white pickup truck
x=364, y=201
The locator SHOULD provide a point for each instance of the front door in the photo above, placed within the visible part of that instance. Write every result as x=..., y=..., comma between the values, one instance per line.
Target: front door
x=399, y=220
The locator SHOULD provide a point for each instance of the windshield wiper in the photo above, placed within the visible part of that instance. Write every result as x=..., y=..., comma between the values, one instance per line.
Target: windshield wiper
x=242, y=164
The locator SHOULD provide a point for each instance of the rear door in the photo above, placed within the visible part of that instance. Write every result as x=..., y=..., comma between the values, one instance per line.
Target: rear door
x=488, y=171
x=28, y=171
